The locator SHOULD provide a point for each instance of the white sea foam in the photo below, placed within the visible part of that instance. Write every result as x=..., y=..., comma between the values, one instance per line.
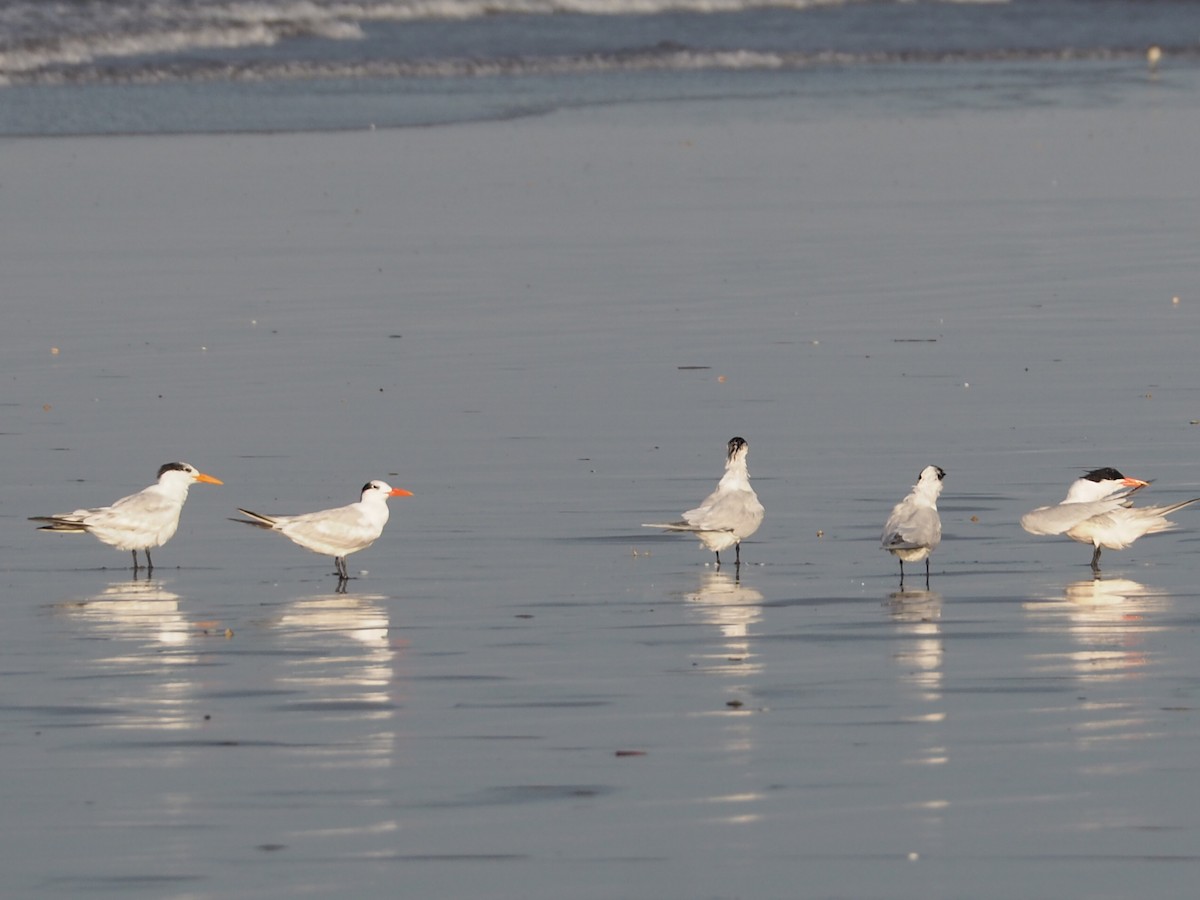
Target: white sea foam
x=650, y=60
x=149, y=41
x=412, y=10
x=77, y=51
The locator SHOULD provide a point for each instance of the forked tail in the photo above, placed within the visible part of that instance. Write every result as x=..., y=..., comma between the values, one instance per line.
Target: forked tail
x=256, y=519
x=62, y=526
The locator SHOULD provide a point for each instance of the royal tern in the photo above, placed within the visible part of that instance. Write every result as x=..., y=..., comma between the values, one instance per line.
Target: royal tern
x=914, y=529
x=729, y=513
x=1099, y=510
x=335, y=532
x=137, y=522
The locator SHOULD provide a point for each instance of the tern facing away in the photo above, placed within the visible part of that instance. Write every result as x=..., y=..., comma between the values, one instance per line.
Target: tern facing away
x=914, y=529
x=140, y=521
x=1099, y=510
x=335, y=532
x=729, y=513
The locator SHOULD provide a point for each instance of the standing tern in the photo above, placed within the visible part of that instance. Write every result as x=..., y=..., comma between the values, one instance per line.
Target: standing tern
x=335, y=532
x=914, y=529
x=1099, y=510
x=140, y=521
x=729, y=513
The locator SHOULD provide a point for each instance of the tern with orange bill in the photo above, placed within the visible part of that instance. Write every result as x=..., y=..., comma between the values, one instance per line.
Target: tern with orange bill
x=1099, y=510
x=140, y=521
x=335, y=532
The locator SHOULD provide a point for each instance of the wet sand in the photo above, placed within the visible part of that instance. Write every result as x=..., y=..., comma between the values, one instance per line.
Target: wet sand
x=547, y=330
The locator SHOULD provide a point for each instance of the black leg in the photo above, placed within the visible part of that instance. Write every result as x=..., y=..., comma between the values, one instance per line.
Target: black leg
x=901, y=573
x=737, y=553
x=1096, y=560
x=149, y=561
x=718, y=552
x=927, y=573
x=135, y=563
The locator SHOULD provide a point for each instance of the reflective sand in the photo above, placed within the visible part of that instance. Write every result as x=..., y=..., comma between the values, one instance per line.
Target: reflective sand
x=524, y=694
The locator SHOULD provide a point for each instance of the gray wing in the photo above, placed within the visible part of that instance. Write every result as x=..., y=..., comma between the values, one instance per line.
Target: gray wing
x=128, y=512
x=736, y=511
x=910, y=528
x=1062, y=518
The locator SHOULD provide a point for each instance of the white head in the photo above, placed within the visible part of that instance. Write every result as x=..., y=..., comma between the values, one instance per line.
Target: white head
x=381, y=490
x=736, y=451
x=1100, y=483
x=929, y=484
x=183, y=474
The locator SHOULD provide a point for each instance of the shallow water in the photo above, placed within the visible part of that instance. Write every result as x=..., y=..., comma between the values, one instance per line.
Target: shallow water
x=524, y=694
x=178, y=66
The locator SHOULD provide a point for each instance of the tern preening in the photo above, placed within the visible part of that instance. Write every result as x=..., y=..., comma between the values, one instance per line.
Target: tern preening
x=914, y=529
x=1099, y=510
x=140, y=521
x=335, y=532
x=729, y=513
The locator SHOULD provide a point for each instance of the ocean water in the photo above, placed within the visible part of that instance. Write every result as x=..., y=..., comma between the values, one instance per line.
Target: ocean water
x=176, y=66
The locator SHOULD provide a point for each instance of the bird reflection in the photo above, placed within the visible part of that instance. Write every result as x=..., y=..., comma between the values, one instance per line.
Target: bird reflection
x=356, y=616
x=1107, y=619
x=134, y=610
x=341, y=667
x=917, y=615
x=1108, y=622
x=915, y=606
x=733, y=608
x=151, y=640
x=1093, y=593
x=722, y=600
x=919, y=655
